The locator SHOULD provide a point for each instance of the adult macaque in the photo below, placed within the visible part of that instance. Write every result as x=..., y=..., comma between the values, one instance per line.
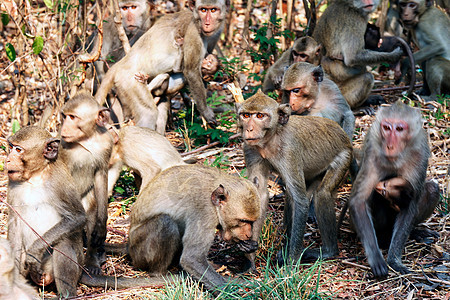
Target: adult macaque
x=373, y=41
x=341, y=30
x=311, y=154
x=12, y=284
x=136, y=20
x=390, y=194
x=176, y=215
x=157, y=53
x=42, y=192
x=421, y=18
x=308, y=92
x=305, y=49
x=144, y=151
x=86, y=149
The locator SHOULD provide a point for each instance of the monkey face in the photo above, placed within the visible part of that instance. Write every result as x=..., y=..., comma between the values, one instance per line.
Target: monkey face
x=14, y=164
x=254, y=126
x=131, y=16
x=299, y=101
x=210, y=16
x=395, y=136
x=366, y=6
x=409, y=13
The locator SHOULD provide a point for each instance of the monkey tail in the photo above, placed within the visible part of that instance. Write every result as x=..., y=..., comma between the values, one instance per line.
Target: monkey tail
x=412, y=63
x=106, y=85
x=118, y=249
x=123, y=283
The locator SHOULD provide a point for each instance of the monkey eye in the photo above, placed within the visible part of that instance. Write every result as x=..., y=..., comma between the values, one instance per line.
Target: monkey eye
x=296, y=90
x=203, y=10
x=387, y=127
x=399, y=128
x=412, y=5
x=213, y=9
x=245, y=115
x=303, y=55
x=15, y=148
x=70, y=116
x=124, y=8
x=133, y=6
x=260, y=115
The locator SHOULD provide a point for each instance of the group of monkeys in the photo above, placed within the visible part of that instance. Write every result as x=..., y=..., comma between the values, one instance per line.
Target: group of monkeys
x=58, y=187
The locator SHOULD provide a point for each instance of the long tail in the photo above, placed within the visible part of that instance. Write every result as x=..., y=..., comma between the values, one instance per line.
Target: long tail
x=412, y=63
x=106, y=86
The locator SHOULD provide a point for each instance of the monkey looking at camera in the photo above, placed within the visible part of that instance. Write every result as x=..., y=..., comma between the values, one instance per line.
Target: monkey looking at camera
x=86, y=150
x=341, y=30
x=12, y=284
x=171, y=226
x=421, y=18
x=309, y=92
x=42, y=191
x=155, y=53
x=390, y=195
x=311, y=154
x=305, y=49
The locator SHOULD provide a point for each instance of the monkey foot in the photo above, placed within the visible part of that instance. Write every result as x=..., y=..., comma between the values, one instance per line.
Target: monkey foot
x=425, y=236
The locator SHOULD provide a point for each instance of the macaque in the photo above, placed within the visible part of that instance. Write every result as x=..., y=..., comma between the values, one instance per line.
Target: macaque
x=305, y=49
x=390, y=194
x=12, y=284
x=156, y=53
x=422, y=19
x=43, y=193
x=341, y=30
x=144, y=151
x=175, y=217
x=309, y=92
x=312, y=156
x=86, y=149
x=136, y=20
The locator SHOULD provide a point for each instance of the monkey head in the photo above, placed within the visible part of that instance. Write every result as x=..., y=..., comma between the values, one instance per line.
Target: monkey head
x=259, y=117
x=31, y=149
x=209, y=15
x=411, y=10
x=395, y=131
x=210, y=65
x=237, y=214
x=301, y=82
x=82, y=116
x=305, y=49
x=133, y=13
x=366, y=7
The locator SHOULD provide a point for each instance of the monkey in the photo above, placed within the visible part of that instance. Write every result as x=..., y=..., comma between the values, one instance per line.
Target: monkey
x=311, y=154
x=421, y=18
x=390, y=195
x=136, y=20
x=143, y=150
x=175, y=217
x=340, y=30
x=86, y=149
x=155, y=53
x=305, y=49
x=373, y=41
x=44, y=198
x=12, y=284
x=309, y=92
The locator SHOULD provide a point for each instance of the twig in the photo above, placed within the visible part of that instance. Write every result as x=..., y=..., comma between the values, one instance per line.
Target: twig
x=209, y=145
x=236, y=91
x=396, y=88
x=355, y=265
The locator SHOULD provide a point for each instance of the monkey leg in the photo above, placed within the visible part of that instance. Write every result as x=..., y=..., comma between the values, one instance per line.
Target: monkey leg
x=356, y=89
x=163, y=114
x=437, y=77
x=154, y=244
x=65, y=269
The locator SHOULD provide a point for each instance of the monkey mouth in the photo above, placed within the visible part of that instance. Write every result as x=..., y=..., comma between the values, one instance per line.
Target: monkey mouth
x=368, y=7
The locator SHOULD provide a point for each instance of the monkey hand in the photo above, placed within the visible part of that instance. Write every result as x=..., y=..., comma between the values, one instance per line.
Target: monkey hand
x=210, y=118
x=142, y=78
x=397, y=53
x=248, y=246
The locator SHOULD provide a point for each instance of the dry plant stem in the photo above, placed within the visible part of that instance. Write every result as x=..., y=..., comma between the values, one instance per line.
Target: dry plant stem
x=121, y=31
x=236, y=92
x=229, y=22
x=209, y=145
x=88, y=58
x=245, y=36
x=382, y=18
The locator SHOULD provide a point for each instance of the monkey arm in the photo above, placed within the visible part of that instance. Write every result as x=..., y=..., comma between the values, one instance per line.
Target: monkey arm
x=368, y=57
x=428, y=40
x=101, y=197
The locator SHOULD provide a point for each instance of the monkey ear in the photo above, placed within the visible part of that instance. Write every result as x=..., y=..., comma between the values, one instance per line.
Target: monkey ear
x=51, y=149
x=284, y=111
x=102, y=117
x=317, y=73
x=256, y=181
x=219, y=196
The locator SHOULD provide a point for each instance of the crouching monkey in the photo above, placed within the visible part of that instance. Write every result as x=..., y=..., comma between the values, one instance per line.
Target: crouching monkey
x=176, y=215
x=43, y=193
x=311, y=154
x=390, y=194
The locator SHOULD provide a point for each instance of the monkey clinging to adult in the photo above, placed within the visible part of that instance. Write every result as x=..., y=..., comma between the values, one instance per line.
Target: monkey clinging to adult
x=86, y=149
x=157, y=52
x=12, y=284
x=390, y=195
x=311, y=154
x=308, y=92
x=43, y=193
x=341, y=30
x=305, y=49
x=170, y=225
x=421, y=18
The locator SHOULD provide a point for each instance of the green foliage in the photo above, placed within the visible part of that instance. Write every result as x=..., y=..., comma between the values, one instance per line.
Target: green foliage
x=5, y=18
x=38, y=45
x=10, y=52
x=220, y=161
x=194, y=129
x=444, y=204
x=49, y=3
x=125, y=189
x=15, y=126
x=230, y=67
